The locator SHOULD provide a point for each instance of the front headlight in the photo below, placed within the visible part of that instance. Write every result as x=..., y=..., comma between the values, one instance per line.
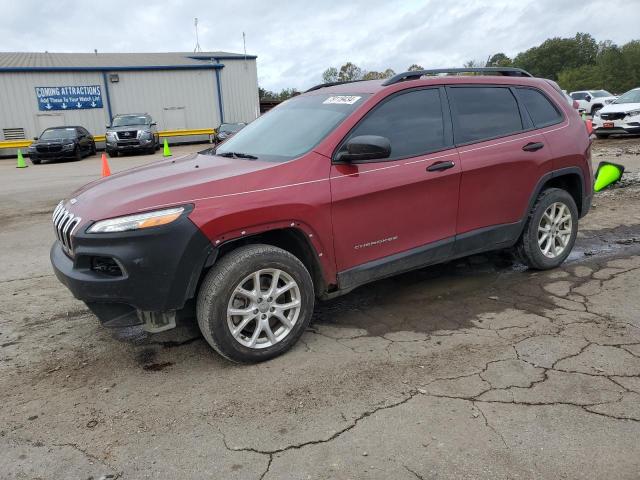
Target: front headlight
x=32, y=148
x=137, y=222
x=597, y=114
x=145, y=135
x=111, y=135
x=633, y=113
x=68, y=146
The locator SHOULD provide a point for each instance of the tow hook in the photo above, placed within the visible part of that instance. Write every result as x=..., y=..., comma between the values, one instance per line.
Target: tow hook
x=154, y=322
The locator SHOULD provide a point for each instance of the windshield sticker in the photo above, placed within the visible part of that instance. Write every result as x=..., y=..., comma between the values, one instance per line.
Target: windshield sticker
x=342, y=99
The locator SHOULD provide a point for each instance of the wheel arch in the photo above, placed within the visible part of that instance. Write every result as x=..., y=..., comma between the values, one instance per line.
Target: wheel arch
x=292, y=240
x=570, y=179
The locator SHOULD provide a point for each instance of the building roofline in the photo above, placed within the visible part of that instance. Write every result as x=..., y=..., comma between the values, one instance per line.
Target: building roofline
x=204, y=66
x=223, y=57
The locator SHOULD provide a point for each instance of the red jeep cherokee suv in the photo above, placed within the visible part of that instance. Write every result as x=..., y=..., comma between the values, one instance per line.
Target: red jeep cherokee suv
x=343, y=185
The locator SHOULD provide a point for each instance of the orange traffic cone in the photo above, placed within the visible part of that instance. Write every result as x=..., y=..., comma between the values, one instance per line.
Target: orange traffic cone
x=106, y=171
x=588, y=122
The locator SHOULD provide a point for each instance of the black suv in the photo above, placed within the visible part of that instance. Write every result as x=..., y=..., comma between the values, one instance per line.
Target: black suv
x=62, y=143
x=132, y=132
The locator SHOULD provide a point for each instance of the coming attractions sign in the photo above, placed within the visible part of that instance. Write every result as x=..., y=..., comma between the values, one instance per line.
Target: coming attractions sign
x=77, y=97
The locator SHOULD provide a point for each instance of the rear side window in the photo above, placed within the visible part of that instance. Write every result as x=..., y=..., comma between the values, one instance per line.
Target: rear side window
x=481, y=113
x=411, y=121
x=541, y=110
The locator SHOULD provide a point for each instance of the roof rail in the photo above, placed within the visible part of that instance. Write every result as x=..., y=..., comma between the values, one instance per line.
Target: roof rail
x=331, y=84
x=414, y=75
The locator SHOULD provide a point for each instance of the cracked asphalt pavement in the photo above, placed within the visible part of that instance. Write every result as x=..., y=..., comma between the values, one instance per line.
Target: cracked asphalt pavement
x=475, y=369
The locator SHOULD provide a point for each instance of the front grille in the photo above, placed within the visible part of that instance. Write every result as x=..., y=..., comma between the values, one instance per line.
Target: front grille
x=47, y=148
x=64, y=224
x=128, y=134
x=613, y=116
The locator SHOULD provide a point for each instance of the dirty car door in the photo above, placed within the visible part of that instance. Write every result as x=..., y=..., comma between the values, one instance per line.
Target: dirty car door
x=386, y=211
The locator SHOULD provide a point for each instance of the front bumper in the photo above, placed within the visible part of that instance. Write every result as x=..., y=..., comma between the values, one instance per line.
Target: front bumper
x=615, y=127
x=62, y=155
x=158, y=270
x=125, y=145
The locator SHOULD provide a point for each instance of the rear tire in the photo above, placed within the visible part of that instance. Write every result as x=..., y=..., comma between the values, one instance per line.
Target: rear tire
x=560, y=223
x=267, y=328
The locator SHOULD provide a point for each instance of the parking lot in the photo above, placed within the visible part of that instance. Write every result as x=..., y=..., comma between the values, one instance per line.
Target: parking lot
x=477, y=368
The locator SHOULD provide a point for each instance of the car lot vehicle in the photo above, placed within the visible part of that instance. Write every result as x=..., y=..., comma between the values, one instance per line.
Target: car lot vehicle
x=620, y=117
x=227, y=130
x=132, y=132
x=340, y=186
x=572, y=102
x=591, y=101
x=58, y=143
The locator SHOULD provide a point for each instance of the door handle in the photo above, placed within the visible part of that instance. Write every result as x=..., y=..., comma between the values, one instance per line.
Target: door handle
x=436, y=167
x=533, y=146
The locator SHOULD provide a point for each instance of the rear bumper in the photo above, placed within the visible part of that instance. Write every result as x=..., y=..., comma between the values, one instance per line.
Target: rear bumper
x=159, y=269
x=586, y=205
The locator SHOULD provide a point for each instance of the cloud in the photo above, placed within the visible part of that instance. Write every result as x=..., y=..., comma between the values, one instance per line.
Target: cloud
x=296, y=41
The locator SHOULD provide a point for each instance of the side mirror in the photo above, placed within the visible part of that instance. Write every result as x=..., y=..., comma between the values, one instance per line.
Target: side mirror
x=154, y=124
x=365, y=147
x=108, y=126
x=35, y=138
x=588, y=98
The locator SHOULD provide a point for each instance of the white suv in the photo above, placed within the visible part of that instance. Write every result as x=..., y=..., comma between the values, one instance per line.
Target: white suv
x=620, y=116
x=592, y=100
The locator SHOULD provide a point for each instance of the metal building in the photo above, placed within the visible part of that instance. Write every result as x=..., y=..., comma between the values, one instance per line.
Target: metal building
x=185, y=93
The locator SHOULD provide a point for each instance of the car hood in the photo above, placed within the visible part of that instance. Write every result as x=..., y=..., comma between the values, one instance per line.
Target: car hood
x=52, y=141
x=166, y=183
x=620, y=107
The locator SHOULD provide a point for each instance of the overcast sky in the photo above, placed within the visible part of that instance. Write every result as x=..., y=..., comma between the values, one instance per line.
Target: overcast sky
x=295, y=41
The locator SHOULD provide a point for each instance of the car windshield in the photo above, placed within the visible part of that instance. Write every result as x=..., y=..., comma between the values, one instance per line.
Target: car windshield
x=58, y=133
x=292, y=128
x=632, y=96
x=600, y=94
x=231, y=127
x=126, y=120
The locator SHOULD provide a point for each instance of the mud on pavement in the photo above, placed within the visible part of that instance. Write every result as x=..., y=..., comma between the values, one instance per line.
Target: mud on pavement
x=477, y=368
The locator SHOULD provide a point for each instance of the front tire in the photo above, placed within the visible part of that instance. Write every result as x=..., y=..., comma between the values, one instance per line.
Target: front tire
x=255, y=303
x=112, y=153
x=551, y=230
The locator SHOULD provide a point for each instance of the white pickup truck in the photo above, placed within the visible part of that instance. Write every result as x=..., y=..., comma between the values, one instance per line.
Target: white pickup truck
x=591, y=101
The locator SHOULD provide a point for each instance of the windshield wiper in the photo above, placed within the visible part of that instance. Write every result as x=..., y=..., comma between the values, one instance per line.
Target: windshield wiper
x=237, y=155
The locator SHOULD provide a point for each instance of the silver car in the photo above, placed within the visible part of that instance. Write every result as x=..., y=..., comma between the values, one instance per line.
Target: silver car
x=131, y=132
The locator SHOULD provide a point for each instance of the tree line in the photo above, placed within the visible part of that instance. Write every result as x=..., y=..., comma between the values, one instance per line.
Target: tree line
x=576, y=63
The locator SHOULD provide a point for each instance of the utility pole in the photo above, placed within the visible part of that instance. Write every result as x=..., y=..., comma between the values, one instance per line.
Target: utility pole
x=197, y=49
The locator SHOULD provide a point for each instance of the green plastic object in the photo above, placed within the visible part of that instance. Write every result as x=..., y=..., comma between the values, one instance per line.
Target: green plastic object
x=166, y=152
x=607, y=174
x=21, y=162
